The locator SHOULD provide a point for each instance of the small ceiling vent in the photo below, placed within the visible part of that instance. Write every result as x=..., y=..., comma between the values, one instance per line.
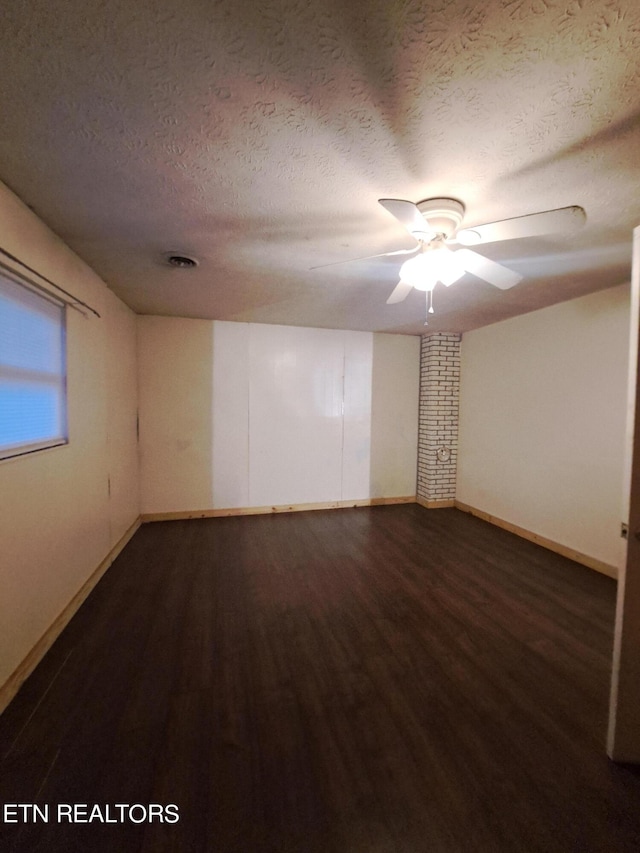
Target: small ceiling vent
x=181, y=262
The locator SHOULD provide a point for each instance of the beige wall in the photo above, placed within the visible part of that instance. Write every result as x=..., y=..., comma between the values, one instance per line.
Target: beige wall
x=394, y=415
x=542, y=421
x=175, y=381
x=58, y=521
x=244, y=415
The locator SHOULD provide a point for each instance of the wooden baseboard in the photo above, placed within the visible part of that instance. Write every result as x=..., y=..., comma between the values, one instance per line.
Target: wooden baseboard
x=407, y=499
x=263, y=510
x=15, y=681
x=557, y=547
x=443, y=504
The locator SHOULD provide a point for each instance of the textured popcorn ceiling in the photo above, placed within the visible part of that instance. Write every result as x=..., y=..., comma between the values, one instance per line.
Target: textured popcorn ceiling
x=258, y=137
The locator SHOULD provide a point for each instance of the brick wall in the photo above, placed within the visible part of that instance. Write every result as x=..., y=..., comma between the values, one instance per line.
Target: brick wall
x=438, y=429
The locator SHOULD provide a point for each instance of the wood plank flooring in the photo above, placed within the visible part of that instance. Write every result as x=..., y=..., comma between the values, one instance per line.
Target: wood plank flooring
x=374, y=680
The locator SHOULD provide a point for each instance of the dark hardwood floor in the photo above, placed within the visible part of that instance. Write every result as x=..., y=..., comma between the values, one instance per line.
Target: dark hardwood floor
x=357, y=681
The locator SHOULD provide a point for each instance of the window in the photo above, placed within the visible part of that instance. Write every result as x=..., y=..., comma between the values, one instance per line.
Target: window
x=33, y=405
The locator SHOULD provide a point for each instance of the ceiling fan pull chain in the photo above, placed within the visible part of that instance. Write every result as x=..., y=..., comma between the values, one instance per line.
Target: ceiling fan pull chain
x=429, y=295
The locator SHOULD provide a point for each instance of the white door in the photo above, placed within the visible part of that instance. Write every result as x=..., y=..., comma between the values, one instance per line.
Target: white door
x=623, y=742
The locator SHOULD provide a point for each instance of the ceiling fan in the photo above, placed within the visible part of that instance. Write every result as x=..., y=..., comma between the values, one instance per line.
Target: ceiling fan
x=435, y=224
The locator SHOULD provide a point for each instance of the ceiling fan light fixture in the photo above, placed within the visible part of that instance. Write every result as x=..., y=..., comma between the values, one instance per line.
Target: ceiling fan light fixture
x=419, y=273
x=424, y=284
x=434, y=264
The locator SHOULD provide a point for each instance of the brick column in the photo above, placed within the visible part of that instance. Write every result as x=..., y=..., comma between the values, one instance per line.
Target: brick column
x=438, y=428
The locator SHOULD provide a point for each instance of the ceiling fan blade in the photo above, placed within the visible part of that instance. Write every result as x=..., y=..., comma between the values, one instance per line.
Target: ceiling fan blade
x=563, y=220
x=408, y=215
x=368, y=257
x=490, y=271
x=400, y=292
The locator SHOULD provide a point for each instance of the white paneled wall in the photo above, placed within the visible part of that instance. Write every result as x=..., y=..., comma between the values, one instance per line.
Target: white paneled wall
x=291, y=415
x=356, y=438
x=295, y=415
x=286, y=416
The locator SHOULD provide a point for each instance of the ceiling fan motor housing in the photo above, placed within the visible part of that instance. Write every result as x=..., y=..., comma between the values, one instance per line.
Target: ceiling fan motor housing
x=444, y=215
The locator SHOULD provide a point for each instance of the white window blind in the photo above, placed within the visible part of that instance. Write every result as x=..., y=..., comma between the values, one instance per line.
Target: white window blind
x=32, y=370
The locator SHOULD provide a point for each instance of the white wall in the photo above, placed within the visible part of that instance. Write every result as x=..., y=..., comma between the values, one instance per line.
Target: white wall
x=542, y=421
x=240, y=415
x=58, y=521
